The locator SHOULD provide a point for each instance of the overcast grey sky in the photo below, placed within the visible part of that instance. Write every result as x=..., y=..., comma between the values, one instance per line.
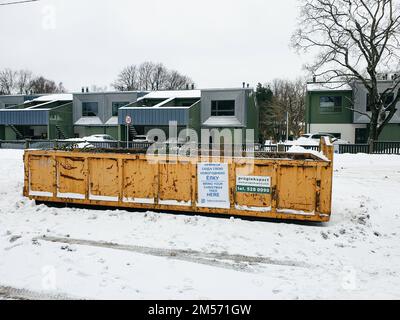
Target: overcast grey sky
x=219, y=43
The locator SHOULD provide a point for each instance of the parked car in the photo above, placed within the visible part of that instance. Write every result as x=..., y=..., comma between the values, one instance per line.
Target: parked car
x=94, y=141
x=102, y=141
x=78, y=143
x=99, y=137
x=317, y=137
x=142, y=139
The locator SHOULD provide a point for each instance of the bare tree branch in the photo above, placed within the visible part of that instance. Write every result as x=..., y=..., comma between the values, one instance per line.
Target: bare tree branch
x=356, y=40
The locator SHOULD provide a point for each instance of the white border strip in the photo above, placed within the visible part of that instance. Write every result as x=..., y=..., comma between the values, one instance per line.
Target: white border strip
x=103, y=198
x=71, y=196
x=139, y=200
x=41, y=194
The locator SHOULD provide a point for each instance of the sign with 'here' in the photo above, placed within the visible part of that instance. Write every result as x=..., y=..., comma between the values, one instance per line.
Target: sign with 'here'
x=213, y=185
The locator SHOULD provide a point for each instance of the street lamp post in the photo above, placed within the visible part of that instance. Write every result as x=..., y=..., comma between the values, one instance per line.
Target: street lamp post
x=287, y=126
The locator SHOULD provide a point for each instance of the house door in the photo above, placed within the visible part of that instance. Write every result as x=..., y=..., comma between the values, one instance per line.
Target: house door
x=361, y=135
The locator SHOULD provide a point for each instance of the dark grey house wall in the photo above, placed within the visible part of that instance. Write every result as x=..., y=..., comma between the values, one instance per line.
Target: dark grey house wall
x=104, y=101
x=239, y=95
x=4, y=100
x=360, y=101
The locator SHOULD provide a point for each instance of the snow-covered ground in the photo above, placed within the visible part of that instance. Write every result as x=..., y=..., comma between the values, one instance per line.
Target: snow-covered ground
x=127, y=255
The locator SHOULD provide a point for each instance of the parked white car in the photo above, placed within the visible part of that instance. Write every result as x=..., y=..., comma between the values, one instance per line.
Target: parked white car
x=317, y=137
x=79, y=143
x=142, y=139
x=93, y=141
x=99, y=138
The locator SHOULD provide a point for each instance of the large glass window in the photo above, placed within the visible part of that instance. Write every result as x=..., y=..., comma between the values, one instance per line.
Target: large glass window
x=330, y=104
x=221, y=108
x=387, y=99
x=90, y=109
x=116, y=106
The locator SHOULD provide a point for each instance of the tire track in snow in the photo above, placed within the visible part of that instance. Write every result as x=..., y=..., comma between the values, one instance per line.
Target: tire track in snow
x=10, y=293
x=216, y=259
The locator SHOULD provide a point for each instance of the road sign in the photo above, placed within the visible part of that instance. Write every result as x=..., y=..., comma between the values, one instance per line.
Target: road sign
x=128, y=120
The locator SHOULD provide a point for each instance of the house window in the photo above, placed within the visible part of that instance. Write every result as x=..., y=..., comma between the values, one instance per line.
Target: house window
x=116, y=106
x=387, y=99
x=329, y=104
x=90, y=109
x=222, y=108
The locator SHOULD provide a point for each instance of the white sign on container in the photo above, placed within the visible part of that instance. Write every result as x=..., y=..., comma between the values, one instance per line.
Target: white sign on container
x=253, y=184
x=213, y=185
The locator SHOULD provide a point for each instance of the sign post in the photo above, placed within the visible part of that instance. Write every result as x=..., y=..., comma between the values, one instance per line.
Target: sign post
x=128, y=121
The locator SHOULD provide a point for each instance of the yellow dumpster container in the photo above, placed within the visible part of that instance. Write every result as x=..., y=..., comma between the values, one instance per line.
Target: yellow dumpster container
x=293, y=186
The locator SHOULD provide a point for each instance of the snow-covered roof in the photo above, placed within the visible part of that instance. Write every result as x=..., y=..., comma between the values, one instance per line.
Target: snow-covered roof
x=55, y=97
x=85, y=121
x=223, y=122
x=186, y=94
x=112, y=121
x=328, y=86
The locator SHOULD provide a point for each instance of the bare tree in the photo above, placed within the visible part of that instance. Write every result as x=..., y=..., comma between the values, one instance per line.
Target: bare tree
x=177, y=81
x=7, y=81
x=127, y=79
x=150, y=76
x=356, y=40
x=158, y=77
x=145, y=71
x=23, y=81
x=96, y=88
x=43, y=85
x=61, y=88
x=289, y=99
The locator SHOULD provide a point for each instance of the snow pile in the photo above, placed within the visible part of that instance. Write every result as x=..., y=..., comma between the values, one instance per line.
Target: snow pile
x=139, y=255
x=298, y=149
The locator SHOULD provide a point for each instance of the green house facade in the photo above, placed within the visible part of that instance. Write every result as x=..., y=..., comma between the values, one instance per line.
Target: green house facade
x=336, y=108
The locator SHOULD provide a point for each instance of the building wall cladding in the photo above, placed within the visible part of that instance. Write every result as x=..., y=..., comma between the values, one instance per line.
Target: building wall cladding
x=195, y=117
x=314, y=114
x=238, y=95
x=186, y=117
x=253, y=116
x=61, y=117
x=155, y=116
x=391, y=132
x=104, y=101
x=14, y=100
x=360, y=101
x=347, y=130
x=24, y=117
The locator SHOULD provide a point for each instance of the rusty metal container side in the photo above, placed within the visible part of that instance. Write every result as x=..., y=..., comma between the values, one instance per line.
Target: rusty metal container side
x=299, y=189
